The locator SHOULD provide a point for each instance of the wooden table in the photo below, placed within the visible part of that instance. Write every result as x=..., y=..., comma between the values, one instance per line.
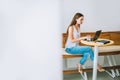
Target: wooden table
x=96, y=45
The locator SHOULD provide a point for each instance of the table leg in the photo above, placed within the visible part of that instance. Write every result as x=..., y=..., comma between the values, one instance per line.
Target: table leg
x=95, y=62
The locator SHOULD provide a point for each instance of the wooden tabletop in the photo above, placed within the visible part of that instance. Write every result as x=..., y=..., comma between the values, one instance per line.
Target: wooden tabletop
x=96, y=43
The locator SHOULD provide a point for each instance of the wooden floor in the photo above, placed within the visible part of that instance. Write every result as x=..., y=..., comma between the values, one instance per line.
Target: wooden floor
x=100, y=76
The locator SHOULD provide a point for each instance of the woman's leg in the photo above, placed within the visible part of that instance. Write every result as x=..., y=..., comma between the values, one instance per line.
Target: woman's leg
x=91, y=53
x=99, y=67
x=84, y=50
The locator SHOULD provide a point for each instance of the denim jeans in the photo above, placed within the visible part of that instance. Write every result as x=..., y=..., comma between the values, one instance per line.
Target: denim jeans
x=84, y=50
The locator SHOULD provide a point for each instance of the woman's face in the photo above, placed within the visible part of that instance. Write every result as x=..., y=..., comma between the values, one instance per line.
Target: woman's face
x=80, y=20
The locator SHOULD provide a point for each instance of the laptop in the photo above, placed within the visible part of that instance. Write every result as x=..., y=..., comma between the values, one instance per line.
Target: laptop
x=96, y=36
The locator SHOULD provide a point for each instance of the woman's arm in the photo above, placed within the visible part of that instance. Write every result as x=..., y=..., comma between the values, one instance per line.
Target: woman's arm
x=70, y=34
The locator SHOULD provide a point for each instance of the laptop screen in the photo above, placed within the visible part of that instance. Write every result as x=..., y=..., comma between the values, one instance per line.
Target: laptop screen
x=97, y=34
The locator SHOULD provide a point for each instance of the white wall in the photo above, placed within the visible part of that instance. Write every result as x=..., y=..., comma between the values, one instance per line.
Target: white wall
x=30, y=40
x=102, y=14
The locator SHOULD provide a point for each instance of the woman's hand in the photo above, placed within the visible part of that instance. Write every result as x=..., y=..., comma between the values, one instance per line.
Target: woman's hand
x=85, y=37
x=88, y=37
x=81, y=38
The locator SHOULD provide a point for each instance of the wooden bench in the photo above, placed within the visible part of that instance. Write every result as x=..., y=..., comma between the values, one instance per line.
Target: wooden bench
x=103, y=51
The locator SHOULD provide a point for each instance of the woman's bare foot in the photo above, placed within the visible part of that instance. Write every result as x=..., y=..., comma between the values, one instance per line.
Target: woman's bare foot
x=79, y=68
x=100, y=69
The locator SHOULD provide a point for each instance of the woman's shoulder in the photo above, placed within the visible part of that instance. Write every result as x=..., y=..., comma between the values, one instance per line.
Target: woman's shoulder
x=71, y=27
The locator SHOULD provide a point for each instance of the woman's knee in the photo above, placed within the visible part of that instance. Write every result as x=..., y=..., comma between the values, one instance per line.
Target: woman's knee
x=84, y=58
x=85, y=55
x=88, y=48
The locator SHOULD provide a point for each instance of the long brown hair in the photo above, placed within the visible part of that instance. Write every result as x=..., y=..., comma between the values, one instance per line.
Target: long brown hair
x=73, y=22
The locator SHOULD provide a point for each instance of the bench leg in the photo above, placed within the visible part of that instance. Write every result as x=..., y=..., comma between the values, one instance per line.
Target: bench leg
x=109, y=73
x=112, y=74
x=114, y=63
x=84, y=75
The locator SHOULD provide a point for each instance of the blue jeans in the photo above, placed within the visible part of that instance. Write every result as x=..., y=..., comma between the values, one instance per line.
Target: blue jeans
x=84, y=50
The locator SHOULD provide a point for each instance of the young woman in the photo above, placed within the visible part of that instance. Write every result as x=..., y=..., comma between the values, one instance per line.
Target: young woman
x=72, y=44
